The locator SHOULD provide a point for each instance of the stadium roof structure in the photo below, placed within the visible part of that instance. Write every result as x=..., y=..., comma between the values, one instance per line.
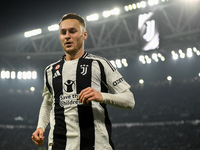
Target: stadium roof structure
x=179, y=26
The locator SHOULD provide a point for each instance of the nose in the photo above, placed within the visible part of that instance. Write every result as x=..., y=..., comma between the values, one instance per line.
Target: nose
x=67, y=35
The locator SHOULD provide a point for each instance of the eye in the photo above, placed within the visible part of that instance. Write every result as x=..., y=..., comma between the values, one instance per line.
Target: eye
x=63, y=32
x=72, y=30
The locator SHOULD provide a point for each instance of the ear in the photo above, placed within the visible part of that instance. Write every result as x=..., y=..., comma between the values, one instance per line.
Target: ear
x=85, y=35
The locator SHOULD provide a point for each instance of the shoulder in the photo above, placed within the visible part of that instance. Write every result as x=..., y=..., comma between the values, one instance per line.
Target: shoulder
x=104, y=62
x=50, y=66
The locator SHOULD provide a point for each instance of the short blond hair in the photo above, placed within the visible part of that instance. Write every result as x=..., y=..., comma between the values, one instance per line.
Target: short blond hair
x=73, y=16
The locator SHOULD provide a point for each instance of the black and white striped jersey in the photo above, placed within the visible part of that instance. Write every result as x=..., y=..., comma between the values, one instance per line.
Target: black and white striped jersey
x=77, y=126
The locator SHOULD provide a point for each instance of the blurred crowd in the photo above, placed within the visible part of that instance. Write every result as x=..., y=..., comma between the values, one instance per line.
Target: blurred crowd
x=155, y=102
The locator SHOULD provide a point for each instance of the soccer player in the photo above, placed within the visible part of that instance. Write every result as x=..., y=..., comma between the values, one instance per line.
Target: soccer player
x=76, y=93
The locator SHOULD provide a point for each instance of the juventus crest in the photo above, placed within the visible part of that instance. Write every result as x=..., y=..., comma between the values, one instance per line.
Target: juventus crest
x=84, y=69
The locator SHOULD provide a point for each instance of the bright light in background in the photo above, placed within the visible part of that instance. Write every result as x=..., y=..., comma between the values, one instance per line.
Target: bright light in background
x=32, y=89
x=141, y=81
x=3, y=76
x=118, y=63
x=108, y=13
x=153, y=2
x=34, y=75
x=155, y=56
x=93, y=17
x=141, y=58
x=7, y=74
x=28, y=74
x=189, y=52
x=134, y=6
x=32, y=33
x=124, y=62
x=19, y=75
x=169, y=78
x=174, y=55
x=13, y=74
x=148, y=60
x=54, y=27
x=143, y=4
x=182, y=55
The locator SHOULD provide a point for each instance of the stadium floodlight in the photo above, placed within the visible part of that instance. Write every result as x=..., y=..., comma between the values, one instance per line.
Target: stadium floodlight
x=153, y=2
x=115, y=11
x=12, y=74
x=174, y=55
x=92, y=17
x=141, y=81
x=126, y=8
x=195, y=49
x=138, y=5
x=142, y=59
x=32, y=89
x=199, y=74
x=28, y=74
x=54, y=27
x=7, y=74
x=124, y=62
x=148, y=60
x=3, y=74
x=155, y=56
x=113, y=63
x=130, y=7
x=19, y=75
x=169, y=78
x=134, y=6
x=143, y=4
x=198, y=52
x=118, y=63
x=108, y=13
x=32, y=33
x=189, y=52
x=24, y=75
x=34, y=74
x=182, y=55
x=162, y=58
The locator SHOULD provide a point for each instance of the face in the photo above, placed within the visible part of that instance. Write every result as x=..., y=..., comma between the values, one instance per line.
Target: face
x=72, y=36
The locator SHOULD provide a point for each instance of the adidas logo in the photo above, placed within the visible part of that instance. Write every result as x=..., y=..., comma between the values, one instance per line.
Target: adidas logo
x=56, y=74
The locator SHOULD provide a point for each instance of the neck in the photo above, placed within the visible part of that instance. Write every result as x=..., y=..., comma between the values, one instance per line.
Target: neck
x=74, y=56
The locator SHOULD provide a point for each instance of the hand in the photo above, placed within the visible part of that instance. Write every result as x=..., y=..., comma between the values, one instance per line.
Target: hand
x=37, y=137
x=89, y=94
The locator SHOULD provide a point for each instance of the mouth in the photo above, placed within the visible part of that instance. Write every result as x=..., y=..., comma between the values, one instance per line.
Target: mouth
x=68, y=44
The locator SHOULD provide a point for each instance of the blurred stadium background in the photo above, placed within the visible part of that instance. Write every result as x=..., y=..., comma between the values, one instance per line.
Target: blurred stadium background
x=157, y=54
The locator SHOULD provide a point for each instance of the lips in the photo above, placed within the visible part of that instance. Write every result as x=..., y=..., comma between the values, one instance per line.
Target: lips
x=68, y=43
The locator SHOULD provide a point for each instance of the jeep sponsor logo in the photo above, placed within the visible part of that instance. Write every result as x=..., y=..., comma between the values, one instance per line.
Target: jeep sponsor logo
x=117, y=81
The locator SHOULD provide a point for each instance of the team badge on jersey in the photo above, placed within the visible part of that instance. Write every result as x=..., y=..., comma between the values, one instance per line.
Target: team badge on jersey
x=57, y=67
x=84, y=69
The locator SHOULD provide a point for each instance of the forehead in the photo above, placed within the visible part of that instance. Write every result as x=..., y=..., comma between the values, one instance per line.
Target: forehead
x=70, y=23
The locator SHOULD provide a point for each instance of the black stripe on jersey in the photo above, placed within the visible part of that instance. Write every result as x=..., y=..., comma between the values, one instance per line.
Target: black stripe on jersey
x=47, y=82
x=85, y=112
x=103, y=78
x=59, y=133
x=104, y=89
